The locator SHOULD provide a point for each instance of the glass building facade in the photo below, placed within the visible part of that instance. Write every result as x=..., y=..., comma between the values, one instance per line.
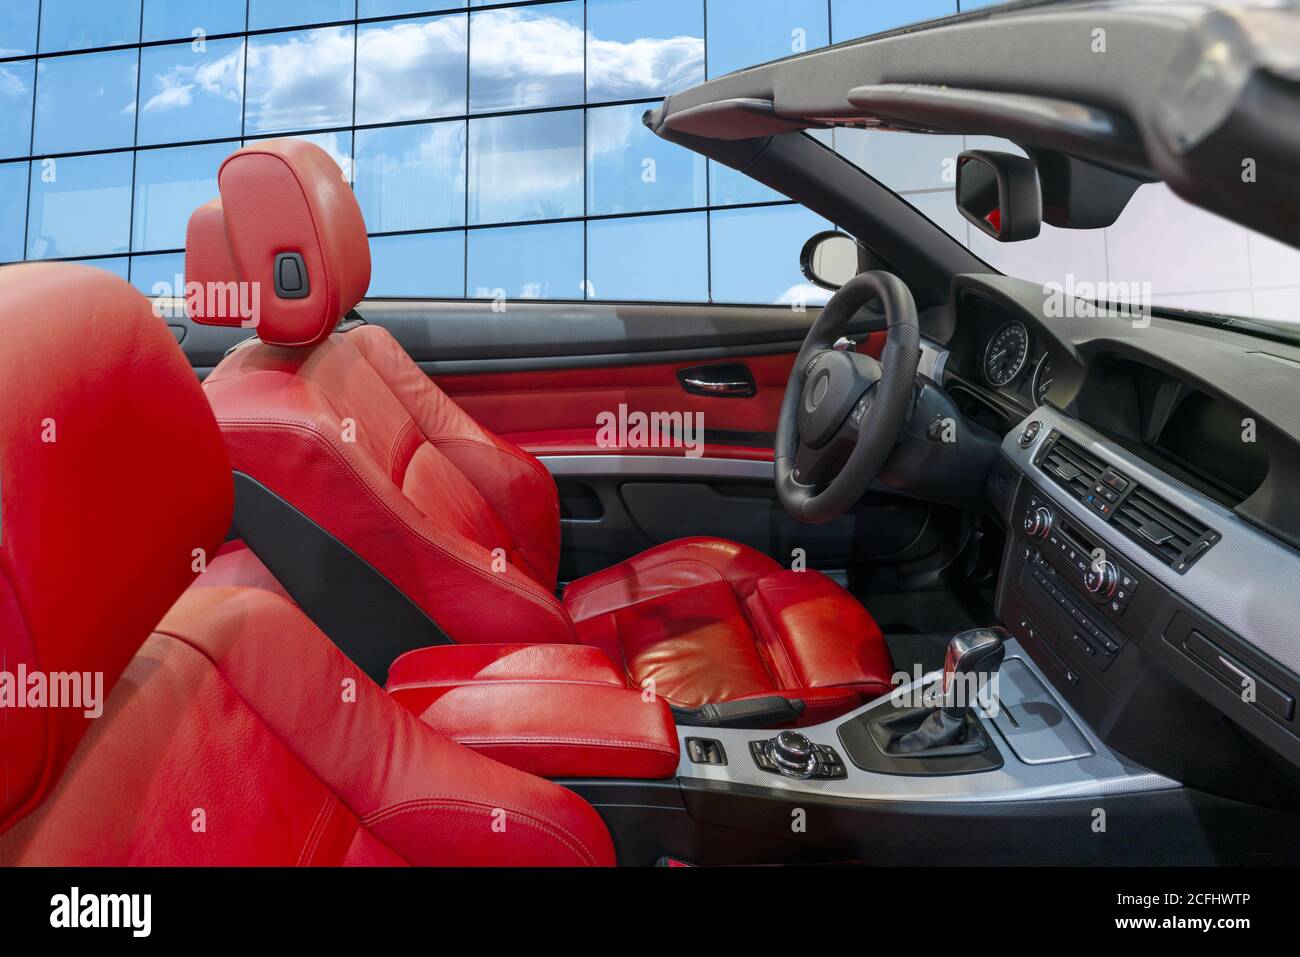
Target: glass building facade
x=495, y=149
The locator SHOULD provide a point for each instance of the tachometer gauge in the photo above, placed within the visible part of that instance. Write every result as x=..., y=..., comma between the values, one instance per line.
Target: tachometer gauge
x=1042, y=379
x=1006, y=355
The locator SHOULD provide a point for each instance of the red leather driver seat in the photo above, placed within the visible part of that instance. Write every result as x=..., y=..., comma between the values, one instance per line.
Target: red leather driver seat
x=346, y=428
x=237, y=733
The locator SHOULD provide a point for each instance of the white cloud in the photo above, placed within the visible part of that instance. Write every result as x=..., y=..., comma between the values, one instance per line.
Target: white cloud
x=624, y=71
x=300, y=80
x=219, y=76
x=11, y=84
x=805, y=294
x=411, y=70
x=524, y=58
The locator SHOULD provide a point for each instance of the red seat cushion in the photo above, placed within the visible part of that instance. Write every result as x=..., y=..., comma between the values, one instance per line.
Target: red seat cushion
x=706, y=620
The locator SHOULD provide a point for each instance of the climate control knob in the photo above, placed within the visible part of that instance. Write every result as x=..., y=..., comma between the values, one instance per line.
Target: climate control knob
x=1101, y=579
x=1038, y=522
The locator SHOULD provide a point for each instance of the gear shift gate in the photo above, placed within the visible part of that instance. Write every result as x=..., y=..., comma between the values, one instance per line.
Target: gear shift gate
x=894, y=737
x=927, y=732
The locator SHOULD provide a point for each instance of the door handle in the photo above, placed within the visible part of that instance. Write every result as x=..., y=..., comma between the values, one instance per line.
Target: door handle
x=730, y=380
x=722, y=388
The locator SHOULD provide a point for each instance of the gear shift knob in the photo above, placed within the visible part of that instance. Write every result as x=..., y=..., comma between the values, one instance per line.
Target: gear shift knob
x=976, y=652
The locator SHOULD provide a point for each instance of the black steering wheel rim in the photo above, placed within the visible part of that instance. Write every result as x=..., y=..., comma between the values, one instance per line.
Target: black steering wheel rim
x=885, y=402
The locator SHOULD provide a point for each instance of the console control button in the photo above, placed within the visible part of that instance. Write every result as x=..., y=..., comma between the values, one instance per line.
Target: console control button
x=705, y=751
x=1029, y=434
x=761, y=757
x=793, y=754
x=1116, y=481
x=822, y=762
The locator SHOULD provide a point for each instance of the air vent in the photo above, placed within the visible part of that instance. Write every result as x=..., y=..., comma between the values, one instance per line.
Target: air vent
x=1067, y=464
x=1167, y=532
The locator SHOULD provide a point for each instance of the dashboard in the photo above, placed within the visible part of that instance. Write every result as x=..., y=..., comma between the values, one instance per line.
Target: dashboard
x=1151, y=567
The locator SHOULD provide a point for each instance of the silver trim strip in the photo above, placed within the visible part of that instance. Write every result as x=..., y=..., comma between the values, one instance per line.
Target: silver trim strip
x=1247, y=582
x=934, y=359
x=657, y=466
x=1101, y=774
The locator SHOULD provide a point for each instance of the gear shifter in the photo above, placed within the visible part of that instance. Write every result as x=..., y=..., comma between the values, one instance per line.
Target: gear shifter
x=977, y=653
x=972, y=656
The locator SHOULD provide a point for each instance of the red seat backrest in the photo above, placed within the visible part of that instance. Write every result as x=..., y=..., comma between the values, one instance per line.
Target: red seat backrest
x=237, y=733
x=347, y=429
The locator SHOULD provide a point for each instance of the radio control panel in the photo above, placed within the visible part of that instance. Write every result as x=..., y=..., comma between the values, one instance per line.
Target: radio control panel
x=1077, y=604
x=1066, y=549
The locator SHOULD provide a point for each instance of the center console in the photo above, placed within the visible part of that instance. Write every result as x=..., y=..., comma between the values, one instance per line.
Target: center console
x=1151, y=609
x=1038, y=748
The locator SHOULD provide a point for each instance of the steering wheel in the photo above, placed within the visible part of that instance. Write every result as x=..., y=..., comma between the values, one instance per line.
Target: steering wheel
x=843, y=411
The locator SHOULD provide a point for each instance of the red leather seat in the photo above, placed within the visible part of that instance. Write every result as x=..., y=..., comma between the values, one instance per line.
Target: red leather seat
x=236, y=733
x=347, y=429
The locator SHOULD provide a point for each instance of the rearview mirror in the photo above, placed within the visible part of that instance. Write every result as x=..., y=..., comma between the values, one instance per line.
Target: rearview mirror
x=830, y=259
x=999, y=193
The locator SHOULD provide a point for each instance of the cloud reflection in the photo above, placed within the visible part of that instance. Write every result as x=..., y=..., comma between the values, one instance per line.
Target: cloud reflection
x=411, y=70
x=222, y=77
x=299, y=80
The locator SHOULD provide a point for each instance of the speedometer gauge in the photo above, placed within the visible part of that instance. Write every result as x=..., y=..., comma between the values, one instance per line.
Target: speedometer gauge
x=1006, y=355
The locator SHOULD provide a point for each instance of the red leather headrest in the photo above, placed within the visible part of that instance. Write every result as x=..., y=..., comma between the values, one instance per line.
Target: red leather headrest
x=112, y=474
x=289, y=215
x=213, y=294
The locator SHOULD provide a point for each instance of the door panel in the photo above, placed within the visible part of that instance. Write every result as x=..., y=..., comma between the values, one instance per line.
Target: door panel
x=550, y=410
x=752, y=515
x=539, y=374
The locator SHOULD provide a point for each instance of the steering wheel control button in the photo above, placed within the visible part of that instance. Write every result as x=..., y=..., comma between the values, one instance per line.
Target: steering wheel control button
x=1029, y=434
x=860, y=410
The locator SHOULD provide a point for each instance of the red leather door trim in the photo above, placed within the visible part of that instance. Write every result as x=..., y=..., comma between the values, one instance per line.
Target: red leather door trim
x=570, y=399
x=553, y=411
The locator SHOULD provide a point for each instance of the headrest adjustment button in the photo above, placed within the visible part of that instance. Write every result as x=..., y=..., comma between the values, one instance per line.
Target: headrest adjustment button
x=291, y=276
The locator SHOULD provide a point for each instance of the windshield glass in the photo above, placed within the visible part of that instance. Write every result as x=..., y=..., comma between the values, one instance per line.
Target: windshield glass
x=1162, y=251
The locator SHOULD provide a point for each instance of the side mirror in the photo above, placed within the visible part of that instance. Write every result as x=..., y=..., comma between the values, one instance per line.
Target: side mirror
x=830, y=259
x=999, y=193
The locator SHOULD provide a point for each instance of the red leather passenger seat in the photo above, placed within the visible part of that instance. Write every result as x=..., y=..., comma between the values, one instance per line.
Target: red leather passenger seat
x=236, y=733
x=341, y=424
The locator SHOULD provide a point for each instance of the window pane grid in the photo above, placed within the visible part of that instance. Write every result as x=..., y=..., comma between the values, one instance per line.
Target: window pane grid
x=477, y=135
